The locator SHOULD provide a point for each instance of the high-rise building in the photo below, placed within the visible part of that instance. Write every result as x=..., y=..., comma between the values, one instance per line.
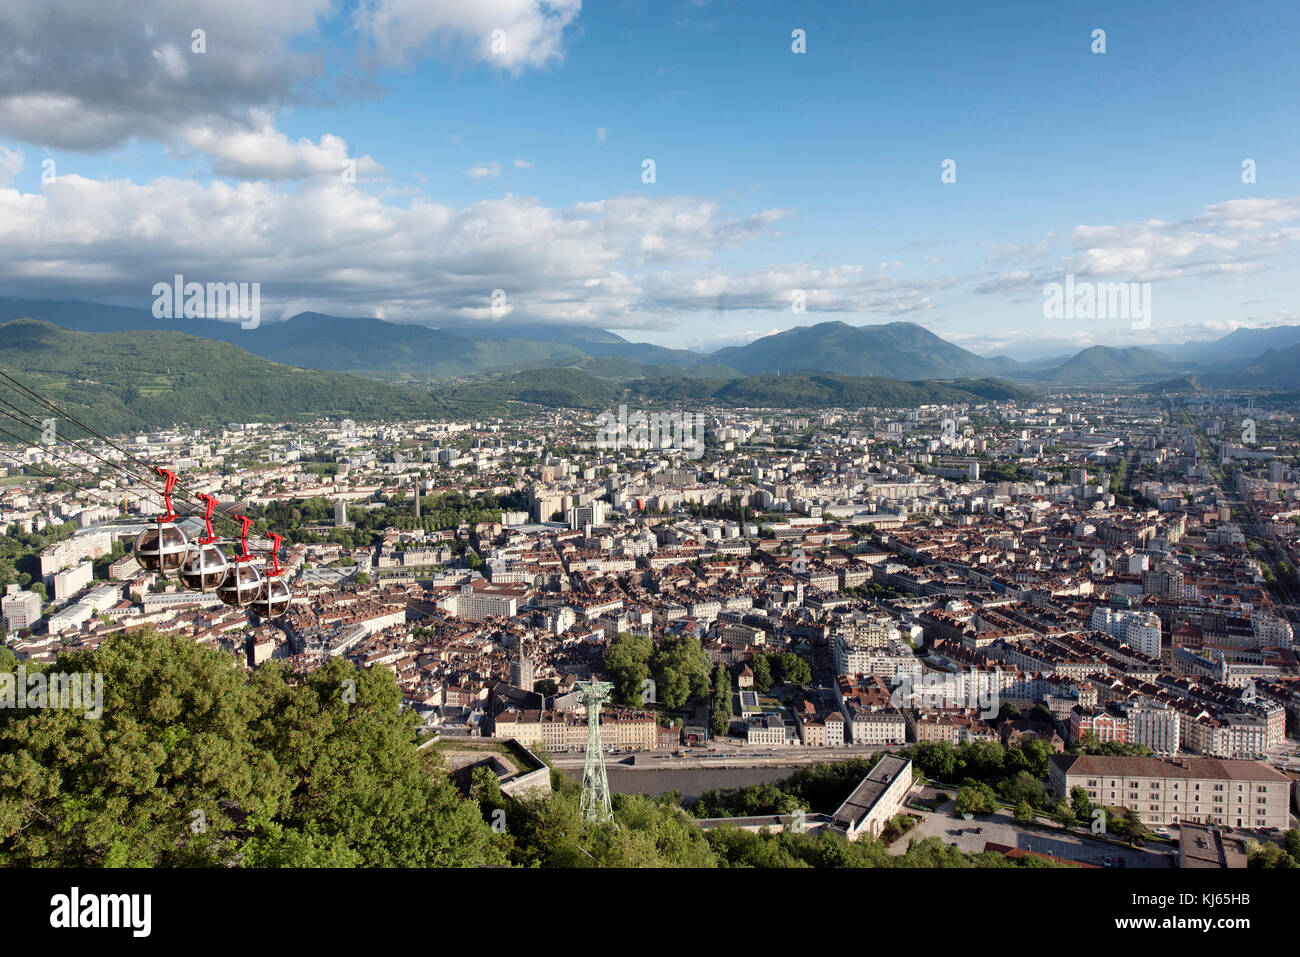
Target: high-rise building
x=71, y=580
x=1137, y=629
x=21, y=609
x=340, y=512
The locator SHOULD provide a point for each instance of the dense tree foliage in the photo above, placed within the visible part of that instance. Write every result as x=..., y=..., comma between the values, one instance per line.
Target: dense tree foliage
x=676, y=664
x=437, y=513
x=195, y=761
x=1090, y=744
x=785, y=668
x=817, y=788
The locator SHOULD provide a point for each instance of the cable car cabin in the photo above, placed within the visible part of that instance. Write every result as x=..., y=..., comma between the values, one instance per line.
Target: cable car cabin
x=205, y=565
x=161, y=548
x=274, y=599
x=243, y=582
x=242, y=585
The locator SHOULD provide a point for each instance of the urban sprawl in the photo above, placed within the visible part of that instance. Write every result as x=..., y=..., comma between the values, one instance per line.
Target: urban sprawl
x=1094, y=569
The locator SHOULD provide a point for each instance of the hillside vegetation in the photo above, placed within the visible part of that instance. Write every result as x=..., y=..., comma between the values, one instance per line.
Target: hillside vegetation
x=138, y=381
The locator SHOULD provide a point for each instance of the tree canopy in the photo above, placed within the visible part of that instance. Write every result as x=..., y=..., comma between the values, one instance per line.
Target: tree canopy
x=195, y=761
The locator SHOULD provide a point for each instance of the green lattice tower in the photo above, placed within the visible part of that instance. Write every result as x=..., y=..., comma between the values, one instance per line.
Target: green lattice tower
x=595, y=785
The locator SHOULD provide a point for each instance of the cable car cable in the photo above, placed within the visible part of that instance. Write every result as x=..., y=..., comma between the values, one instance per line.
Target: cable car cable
x=192, y=497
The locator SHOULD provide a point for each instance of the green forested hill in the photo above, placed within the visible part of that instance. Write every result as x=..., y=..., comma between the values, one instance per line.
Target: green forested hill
x=124, y=381
x=130, y=381
x=575, y=388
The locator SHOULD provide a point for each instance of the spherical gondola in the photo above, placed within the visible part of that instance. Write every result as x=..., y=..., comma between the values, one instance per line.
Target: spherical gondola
x=242, y=585
x=243, y=581
x=273, y=601
x=161, y=547
x=205, y=565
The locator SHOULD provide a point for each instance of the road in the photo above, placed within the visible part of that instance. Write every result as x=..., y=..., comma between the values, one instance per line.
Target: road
x=1287, y=601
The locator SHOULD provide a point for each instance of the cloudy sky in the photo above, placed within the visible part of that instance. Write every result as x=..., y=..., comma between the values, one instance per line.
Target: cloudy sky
x=405, y=158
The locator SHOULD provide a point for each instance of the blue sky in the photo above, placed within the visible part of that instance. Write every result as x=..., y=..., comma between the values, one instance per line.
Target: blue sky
x=520, y=168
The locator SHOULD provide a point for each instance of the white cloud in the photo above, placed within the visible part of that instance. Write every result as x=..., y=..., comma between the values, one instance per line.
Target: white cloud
x=86, y=76
x=745, y=336
x=266, y=153
x=509, y=34
x=483, y=170
x=93, y=74
x=11, y=164
x=345, y=251
x=523, y=164
x=1228, y=240
x=600, y=134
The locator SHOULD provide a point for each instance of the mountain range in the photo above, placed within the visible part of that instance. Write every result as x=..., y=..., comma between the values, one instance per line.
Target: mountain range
x=413, y=352
x=143, y=380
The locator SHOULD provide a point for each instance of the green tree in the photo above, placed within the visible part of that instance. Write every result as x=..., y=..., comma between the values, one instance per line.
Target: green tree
x=789, y=669
x=762, y=673
x=680, y=669
x=195, y=762
x=1038, y=755
x=1063, y=814
x=1024, y=813
x=976, y=799
x=1269, y=855
x=720, y=717
x=1080, y=804
x=627, y=665
x=1023, y=787
x=936, y=759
